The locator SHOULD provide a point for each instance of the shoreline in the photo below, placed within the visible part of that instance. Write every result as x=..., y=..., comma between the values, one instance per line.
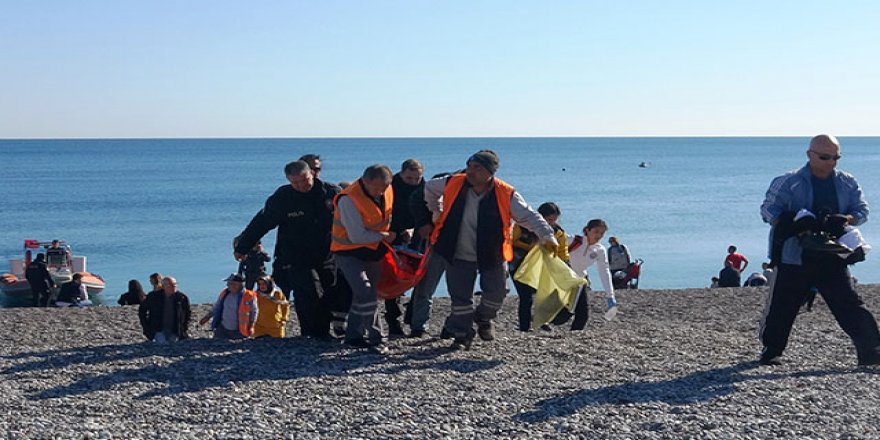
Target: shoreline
x=677, y=363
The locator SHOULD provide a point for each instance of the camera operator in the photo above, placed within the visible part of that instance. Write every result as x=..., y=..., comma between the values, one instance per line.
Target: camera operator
x=806, y=255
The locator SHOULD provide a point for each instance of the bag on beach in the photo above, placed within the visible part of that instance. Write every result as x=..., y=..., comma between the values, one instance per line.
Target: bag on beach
x=556, y=285
x=402, y=269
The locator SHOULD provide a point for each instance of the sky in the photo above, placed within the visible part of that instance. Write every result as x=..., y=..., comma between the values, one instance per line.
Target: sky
x=109, y=69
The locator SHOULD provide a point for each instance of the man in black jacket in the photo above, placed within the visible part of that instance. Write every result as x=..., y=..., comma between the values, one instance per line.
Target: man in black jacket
x=166, y=313
x=303, y=214
x=404, y=184
x=40, y=280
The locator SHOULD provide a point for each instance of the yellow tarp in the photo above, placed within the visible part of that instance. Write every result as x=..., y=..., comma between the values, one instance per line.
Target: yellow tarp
x=556, y=284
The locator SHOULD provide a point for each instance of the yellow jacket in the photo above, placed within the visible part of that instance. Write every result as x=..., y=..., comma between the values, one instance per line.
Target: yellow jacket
x=274, y=313
x=521, y=241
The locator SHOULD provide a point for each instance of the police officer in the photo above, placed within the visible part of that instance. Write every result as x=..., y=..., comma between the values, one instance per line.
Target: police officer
x=303, y=266
x=819, y=188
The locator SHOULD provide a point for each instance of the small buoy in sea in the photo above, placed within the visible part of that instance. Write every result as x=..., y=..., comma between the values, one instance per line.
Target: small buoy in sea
x=563, y=169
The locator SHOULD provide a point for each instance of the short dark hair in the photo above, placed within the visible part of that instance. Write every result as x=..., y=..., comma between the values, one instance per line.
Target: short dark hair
x=310, y=157
x=596, y=223
x=77, y=276
x=731, y=248
x=412, y=164
x=549, y=208
x=296, y=168
x=377, y=171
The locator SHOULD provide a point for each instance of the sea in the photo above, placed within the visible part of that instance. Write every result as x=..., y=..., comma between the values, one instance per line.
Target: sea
x=137, y=206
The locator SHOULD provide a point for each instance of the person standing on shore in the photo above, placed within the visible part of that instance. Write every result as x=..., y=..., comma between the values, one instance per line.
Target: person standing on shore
x=403, y=184
x=817, y=187
x=361, y=228
x=618, y=256
x=473, y=235
x=304, y=268
x=156, y=281
x=41, y=282
x=166, y=313
x=735, y=260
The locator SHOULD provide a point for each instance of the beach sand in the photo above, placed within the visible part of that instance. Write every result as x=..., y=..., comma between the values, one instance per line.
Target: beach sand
x=676, y=364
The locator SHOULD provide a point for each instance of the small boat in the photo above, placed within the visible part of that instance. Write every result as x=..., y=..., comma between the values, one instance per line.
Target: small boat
x=644, y=164
x=61, y=262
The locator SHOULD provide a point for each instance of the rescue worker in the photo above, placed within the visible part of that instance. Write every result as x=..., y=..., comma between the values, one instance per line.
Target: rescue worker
x=304, y=268
x=819, y=188
x=41, y=282
x=408, y=181
x=235, y=312
x=473, y=235
x=361, y=226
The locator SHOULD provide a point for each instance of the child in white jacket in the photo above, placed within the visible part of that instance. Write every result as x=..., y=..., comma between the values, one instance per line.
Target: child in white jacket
x=587, y=254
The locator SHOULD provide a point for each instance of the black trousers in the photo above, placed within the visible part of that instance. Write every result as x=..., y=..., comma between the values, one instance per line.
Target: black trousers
x=314, y=293
x=41, y=297
x=832, y=279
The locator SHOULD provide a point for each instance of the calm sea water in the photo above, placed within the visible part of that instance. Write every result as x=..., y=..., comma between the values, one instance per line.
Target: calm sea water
x=134, y=207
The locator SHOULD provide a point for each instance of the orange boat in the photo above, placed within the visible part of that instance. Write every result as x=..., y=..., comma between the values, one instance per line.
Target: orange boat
x=61, y=262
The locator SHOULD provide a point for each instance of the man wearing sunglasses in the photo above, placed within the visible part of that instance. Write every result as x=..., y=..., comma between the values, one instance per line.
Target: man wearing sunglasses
x=836, y=196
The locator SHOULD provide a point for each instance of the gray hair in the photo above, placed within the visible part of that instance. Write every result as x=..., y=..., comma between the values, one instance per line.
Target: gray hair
x=377, y=171
x=296, y=168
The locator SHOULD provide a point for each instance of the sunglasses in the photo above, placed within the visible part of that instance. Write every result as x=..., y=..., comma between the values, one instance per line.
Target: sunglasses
x=826, y=157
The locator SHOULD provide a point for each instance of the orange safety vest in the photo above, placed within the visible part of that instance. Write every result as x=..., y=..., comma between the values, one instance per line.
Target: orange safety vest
x=374, y=219
x=503, y=194
x=247, y=311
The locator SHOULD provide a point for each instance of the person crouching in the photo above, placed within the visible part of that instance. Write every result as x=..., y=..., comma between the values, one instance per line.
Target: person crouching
x=274, y=309
x=235, y=312
x=165, y=313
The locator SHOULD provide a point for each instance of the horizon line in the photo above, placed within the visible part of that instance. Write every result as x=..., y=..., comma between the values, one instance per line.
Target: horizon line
x=417, y=137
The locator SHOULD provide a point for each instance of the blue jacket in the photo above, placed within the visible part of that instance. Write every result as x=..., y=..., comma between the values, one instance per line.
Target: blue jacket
x=793, y=191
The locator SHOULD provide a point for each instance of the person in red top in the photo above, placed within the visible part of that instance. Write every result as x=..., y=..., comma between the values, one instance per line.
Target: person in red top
x=737, y=261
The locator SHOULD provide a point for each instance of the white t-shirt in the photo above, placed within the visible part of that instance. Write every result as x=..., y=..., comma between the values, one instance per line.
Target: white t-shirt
x=585, y=256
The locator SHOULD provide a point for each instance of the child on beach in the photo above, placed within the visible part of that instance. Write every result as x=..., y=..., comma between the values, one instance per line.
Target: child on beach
x=582, y=258
x=274, y=309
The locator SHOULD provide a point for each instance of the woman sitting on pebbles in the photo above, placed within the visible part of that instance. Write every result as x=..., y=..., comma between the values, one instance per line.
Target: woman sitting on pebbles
x=274, y=309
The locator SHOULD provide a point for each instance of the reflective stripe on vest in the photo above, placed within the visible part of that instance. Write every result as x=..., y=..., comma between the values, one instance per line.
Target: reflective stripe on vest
x=503, y=194
x=374, y=219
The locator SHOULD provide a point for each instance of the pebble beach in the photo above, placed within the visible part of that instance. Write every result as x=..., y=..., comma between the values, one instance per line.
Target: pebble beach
x=675, y=364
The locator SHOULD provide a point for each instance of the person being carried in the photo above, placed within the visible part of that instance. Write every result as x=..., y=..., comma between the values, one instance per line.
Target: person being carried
x=820, y=188
x=274, y=309
x=165, y=314
x=235, y=312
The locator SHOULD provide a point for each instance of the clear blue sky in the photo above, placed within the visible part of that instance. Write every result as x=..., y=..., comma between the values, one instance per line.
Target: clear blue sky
x=445, y=68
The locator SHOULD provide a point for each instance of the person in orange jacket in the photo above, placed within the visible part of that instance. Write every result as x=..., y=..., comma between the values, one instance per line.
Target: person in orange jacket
x=235, y=312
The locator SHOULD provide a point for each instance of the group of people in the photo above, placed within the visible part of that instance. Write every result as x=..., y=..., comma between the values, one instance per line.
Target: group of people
x=331, y=242
x=735, y=264
x=70, y=294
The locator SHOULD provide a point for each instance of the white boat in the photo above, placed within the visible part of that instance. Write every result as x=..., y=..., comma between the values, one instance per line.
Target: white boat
x=61, y=262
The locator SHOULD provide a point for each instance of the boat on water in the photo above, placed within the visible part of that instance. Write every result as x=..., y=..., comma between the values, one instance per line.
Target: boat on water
x=61, y=262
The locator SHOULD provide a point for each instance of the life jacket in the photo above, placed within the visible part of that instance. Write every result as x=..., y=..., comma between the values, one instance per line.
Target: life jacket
x=445, y=242
x=374, y=218
x=247, y=311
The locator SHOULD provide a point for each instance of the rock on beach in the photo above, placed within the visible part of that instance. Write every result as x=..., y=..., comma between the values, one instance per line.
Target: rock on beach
x=675, y=364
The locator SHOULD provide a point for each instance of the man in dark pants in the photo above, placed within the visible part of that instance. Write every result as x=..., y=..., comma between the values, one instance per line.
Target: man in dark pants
x=404, y=184
x=819, y=188
x=303, y=214
x=40, y=280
